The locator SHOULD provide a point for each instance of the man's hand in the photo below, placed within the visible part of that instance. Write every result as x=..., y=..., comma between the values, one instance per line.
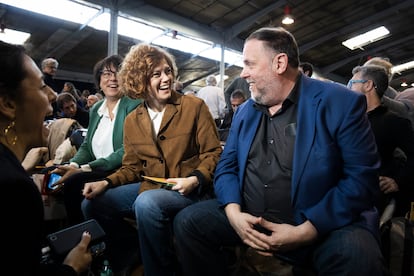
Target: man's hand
x=280, y=236
x=283, y=236
x=243, y=224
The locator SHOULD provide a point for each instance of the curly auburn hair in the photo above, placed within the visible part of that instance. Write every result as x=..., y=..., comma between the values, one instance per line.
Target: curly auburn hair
x=138, y=66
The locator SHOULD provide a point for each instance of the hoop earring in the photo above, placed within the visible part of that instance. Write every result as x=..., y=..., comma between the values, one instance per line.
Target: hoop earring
x=7, y=130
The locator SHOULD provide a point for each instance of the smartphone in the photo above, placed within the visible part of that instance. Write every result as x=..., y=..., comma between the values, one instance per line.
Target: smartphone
x=53, y=177
x=63, y=241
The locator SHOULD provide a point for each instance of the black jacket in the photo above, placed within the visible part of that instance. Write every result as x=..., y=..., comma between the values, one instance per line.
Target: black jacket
x=22, y=238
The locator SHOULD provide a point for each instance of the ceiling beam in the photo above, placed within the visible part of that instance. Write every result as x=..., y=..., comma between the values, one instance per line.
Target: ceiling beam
x=62, y=41
x=233, y=31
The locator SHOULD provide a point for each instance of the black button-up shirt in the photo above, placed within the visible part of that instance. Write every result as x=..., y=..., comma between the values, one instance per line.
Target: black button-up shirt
x=267, y=183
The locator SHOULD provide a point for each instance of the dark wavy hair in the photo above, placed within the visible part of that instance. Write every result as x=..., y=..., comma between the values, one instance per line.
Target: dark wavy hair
x=106, y=63
x=11, y=68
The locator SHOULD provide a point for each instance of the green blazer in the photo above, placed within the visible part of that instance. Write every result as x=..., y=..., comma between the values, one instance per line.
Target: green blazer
x=85, y=154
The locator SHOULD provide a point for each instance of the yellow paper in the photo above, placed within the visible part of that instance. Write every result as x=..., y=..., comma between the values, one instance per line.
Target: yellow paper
x=159, y=180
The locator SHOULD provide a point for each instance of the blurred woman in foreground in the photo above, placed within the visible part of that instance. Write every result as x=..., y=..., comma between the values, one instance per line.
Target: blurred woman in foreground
x=25, y=100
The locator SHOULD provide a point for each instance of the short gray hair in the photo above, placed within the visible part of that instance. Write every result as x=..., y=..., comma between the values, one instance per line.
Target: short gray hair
x=211, y=80
x=49, y=61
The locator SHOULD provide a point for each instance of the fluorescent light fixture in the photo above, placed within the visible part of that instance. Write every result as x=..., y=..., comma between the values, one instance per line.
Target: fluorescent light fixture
x=182, y=43
x=82, y=12
x=62, y=9
x=139, y=30
x=14, y=37
x=402, y=67
x=366, y=38
x=230, y=57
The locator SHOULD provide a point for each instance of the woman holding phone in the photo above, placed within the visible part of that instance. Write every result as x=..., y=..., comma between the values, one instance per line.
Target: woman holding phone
x=25, y=101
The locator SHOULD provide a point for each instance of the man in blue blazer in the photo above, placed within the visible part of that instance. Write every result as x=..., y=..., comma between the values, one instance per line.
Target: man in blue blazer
x=298, y=177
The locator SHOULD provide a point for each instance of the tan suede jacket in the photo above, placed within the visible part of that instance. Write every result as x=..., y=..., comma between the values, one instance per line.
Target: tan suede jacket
x=187, y=144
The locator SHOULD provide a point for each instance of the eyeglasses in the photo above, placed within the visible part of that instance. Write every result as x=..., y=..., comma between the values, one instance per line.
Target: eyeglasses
x=351, y=82
x=107, y=74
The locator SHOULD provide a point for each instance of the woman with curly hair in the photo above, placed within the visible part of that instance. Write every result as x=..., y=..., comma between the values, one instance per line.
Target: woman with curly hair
x=170, y=137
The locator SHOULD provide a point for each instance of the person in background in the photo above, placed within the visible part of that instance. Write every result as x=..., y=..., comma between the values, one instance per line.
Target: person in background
x=25, y=100
x=178, y=86
x=390, y=99
x=84, y=97
x=49, y=68
x=407, y=98
x=391, y=132
x=237, y=83
x=236, y=99
x=214, y=98
x=99, y=95
x=69, y=87
x=297, y=179
x=69, y=108
x=91, y=100
x=387, y=65
x=169, y=136
x=101, y=152
x=306, y=68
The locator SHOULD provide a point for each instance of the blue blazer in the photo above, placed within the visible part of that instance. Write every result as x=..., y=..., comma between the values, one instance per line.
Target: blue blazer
x=335, y=162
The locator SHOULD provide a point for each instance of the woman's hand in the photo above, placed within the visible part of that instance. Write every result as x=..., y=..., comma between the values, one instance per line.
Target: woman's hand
x=33, y=157
x=65, y=171
x=388, y=185
x=92, y=189
x=80, y=257
x=184, y=185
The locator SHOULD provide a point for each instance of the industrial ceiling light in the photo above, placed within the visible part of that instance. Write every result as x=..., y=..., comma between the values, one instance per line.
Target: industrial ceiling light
x=366, y=38
x=12, y=36
x=404, y=83
x=288, y=19
x=402, y=67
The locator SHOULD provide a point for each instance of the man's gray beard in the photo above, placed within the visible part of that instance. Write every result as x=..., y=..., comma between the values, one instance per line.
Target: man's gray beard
x=258, y=99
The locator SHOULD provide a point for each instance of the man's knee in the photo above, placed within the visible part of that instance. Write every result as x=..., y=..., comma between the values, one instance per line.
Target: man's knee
x=351, y=250
x=183, y=223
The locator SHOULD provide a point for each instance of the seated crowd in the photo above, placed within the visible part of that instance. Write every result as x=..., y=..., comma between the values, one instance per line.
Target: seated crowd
x=299, y=170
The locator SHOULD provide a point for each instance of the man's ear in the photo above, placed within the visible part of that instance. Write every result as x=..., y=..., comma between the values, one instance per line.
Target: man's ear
x=369, y=85
x=7, y=107
x=280, y=63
